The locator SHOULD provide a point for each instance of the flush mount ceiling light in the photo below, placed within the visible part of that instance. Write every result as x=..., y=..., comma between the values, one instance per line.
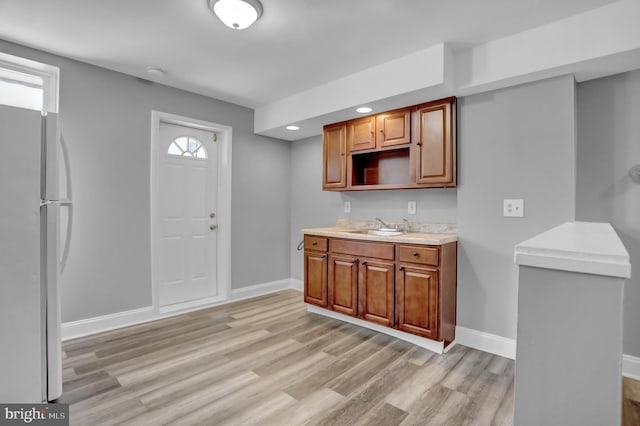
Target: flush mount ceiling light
x=155, y=72
x=292, y=128
x=236, y=14
x=364, y=110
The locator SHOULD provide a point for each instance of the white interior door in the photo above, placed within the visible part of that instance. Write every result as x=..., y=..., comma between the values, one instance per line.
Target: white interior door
x=186, y=216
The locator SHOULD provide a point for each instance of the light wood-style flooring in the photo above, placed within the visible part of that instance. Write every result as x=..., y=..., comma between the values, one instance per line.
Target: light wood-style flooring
x=267, y=361
x=630, y=402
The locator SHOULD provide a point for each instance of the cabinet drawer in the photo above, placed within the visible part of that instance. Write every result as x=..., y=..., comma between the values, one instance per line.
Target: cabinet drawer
x=315, y=243
x=415, y=254
x=361, y=248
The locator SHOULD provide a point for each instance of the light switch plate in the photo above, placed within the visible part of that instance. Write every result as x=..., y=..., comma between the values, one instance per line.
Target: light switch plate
x=513, y=208
x=347, y=206
x=412, y=207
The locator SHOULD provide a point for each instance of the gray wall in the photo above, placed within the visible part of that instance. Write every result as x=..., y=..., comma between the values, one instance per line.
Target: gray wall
x=608, y=146
x=106, y=123
x=313, y=208
x=568, y=369
x=514, y=143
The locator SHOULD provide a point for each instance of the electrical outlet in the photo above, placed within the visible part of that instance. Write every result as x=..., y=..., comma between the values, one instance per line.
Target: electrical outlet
x=412, y=207
x=513, y=208
x=347, y=206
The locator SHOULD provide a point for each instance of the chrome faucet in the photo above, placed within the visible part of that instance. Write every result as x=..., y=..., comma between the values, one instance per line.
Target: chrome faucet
x=383, y=224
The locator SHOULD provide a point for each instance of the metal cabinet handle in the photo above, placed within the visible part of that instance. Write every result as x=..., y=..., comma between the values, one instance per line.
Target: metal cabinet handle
x=401, y=268
x=354, y=261
x=418, y=143
x=213, y=227
x=324, y=256
x=315, y=243
x=415, y=254
x=363, y=263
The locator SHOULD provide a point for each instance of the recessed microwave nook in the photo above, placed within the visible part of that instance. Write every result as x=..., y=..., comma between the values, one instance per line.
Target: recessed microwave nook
x=413, y=147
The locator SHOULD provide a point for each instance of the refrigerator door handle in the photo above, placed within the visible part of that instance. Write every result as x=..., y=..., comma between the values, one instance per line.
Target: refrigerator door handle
x=67, y=237
x=69, y=228
x=47, y=202
x=65, y=168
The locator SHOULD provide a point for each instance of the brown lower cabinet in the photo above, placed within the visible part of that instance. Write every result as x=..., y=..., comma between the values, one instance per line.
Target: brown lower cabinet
x=409, y=287
x=375, y=294
x=315, y=270
x=417, y=300
x=315, y=278
x=343, y=284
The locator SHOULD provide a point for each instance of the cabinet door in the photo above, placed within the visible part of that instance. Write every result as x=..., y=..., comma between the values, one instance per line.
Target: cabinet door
x=435, y=160
x=393, y=128
x=334, y=163
x=375, y=293
x=417, y=300
x=361, y=133
x=343, y=280
x=315, y=278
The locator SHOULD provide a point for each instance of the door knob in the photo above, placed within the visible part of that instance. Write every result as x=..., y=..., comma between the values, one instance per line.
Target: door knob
x=213, y=227
x=212, y=215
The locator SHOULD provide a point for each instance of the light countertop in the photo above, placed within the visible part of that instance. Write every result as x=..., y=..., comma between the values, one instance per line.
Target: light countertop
x=409, y=238
x=591, y=248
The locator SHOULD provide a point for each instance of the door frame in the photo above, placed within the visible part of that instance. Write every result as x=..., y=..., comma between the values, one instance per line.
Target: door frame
x=223, y=211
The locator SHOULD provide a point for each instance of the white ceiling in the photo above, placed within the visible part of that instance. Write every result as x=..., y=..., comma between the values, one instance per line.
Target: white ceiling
x=295, y=46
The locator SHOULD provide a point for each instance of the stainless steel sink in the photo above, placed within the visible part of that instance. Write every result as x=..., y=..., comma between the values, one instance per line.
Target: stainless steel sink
x=387, y=232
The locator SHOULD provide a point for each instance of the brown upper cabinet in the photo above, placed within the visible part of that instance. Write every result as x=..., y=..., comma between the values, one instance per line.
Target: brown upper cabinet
x=413, y=147
x=362, y=133
x=393, y=128
x=434, y=138
x=334, y=146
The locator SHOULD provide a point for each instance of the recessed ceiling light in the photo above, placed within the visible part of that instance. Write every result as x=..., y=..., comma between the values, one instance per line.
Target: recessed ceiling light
x=292, y=128
x=364, y=110
x=237, y=14
x=155, y=72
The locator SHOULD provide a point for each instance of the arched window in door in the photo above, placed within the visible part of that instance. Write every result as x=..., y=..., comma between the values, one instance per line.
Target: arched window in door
x=187, y=146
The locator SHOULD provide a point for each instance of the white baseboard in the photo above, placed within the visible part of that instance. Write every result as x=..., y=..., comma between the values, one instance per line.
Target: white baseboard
x=89, y=326
x=296, y=284
x=86, y=327
x=266, y=288
x=631, y=367
x=505, y=347
x=432, y=345
x=486, y=342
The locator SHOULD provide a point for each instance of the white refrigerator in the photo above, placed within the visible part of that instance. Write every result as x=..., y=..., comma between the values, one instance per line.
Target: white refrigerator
x=31, y=208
